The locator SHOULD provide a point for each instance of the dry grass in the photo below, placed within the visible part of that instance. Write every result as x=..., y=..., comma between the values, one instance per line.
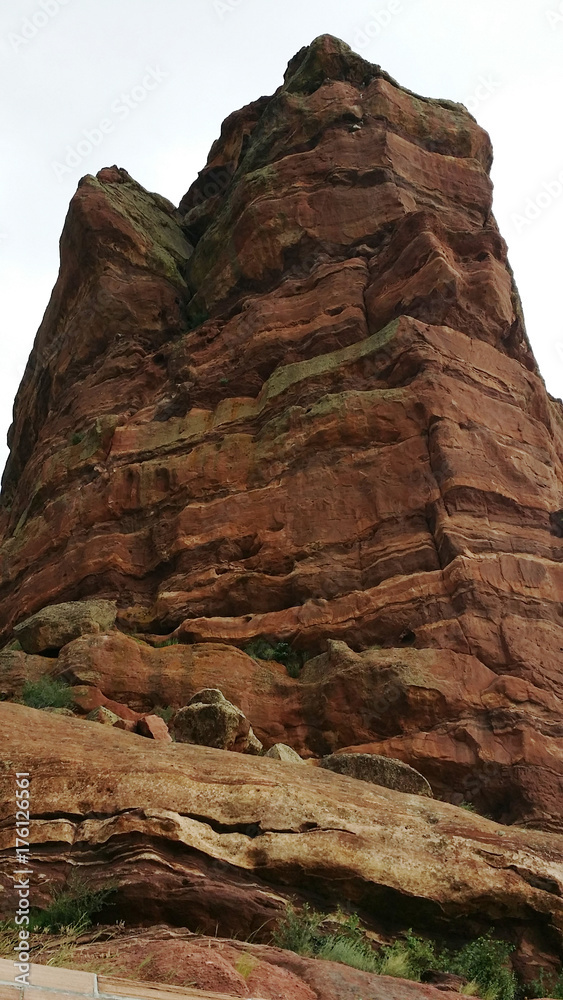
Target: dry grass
x=245, y=965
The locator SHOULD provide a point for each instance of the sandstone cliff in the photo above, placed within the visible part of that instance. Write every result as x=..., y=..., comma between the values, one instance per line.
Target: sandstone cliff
x=299, y=408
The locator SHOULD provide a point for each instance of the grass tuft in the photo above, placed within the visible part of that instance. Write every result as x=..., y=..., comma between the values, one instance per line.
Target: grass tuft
x=47, y=693
x=484, y=962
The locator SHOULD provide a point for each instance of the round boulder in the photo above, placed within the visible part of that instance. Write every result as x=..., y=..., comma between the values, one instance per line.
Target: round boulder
x=379, y=770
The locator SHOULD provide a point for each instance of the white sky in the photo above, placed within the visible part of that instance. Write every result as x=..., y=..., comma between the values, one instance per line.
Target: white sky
x=65, y=67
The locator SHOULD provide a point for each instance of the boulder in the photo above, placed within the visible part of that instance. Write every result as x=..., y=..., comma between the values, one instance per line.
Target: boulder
x=155, y=728
x=212, y=721
x=378, y=770
x=103, y=716
x=58, y=624
x=87, y=698
x=280, y=751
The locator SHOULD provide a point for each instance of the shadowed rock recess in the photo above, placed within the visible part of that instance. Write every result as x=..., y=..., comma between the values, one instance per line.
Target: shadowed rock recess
x=295, y=428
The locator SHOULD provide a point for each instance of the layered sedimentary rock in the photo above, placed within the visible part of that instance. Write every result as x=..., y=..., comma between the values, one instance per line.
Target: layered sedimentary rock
x=301, y=408
x=201, y=837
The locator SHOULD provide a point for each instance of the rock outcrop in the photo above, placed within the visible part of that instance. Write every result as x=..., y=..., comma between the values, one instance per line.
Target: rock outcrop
x=289, y=441
x=199, y=837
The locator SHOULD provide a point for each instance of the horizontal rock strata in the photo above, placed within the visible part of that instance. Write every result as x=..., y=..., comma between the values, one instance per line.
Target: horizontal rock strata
x=198, y=836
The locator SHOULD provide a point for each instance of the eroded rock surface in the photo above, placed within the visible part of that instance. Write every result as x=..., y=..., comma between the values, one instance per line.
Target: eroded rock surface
x=174, y=956
x=303, y=407
x=208, y=839
x=295, y=418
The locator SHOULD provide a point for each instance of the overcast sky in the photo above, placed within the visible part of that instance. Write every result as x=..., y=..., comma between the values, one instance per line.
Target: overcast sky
x=163, y=74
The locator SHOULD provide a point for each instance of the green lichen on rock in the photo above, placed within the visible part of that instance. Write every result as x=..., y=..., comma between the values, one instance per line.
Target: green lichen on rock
x=155, y=219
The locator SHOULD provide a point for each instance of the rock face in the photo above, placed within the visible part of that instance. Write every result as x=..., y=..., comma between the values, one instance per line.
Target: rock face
x=290, y=437
x=211, y=721
x=196, y=836
x=379, y=770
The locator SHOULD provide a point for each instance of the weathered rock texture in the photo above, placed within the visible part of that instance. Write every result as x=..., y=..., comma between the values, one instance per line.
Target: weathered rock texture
x=301, y=408
x=173, y=955
x=56, y=625
x=200, y=837
x=378, y=770
x=211, y=721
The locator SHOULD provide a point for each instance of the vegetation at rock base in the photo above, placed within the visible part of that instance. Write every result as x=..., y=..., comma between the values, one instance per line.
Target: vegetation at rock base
x=245, y=964
x=281, y=652
x=484, y=962
x=547, y=986
x=47, y=693
x=165, y=713
x=72, y=907
x=60, y=950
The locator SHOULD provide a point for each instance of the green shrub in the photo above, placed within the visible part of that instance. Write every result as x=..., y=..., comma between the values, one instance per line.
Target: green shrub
x=171, y=641
x=281, y=652
x=164, y=713
x=47, y=693
x=485, y=961
x=357, y=954
x=71, y=907
x=546, y=986
x=299, y=931
x=78, y=437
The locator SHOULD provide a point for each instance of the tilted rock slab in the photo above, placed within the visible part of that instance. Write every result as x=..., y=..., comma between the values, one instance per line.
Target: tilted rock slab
x=476, y=736
x=202, y=838
x=173, y=955
x=303, y=406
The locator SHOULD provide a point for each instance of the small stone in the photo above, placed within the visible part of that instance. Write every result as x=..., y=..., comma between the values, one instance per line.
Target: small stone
x=104, y=716
x=280, y=751
x=126, y=724
x=155, y=728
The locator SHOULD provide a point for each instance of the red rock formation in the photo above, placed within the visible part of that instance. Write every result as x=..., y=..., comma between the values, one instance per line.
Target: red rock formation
x=202, y=837
x=174, y=956
x=303, y=407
